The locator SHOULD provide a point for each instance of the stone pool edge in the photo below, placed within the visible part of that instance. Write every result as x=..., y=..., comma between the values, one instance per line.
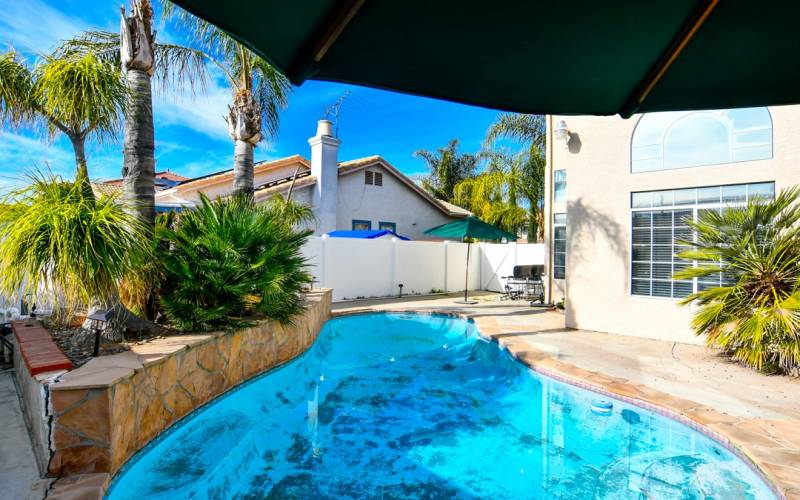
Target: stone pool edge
x=104, y=415
x=742, y=437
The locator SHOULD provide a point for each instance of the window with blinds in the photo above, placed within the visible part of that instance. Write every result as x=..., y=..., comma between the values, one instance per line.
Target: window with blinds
x=659, y=232
x=559, y=246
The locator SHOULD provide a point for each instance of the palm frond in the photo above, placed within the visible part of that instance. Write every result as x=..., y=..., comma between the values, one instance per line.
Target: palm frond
x=178, y=69
x=15, y=90
x=82, y=93
x=528, y=129
x=754, y=252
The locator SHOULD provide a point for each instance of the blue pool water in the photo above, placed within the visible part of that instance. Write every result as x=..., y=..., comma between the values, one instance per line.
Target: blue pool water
x=408, y=406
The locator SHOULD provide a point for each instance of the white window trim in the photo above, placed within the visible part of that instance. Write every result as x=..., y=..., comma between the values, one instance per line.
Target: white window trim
x=695, y=208
x=731, y=134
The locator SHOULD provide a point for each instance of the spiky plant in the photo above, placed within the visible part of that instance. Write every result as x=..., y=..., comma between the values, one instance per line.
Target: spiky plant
x=755, y=312
x=229, y=261
x=58, y=241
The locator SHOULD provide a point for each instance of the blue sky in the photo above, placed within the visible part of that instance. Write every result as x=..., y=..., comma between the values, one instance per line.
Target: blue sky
x=191, y=135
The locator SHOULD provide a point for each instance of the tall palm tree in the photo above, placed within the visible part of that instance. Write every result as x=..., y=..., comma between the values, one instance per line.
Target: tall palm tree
x=530, y=130
x=175, y=69
x=748, y=261
x=138, y=61
x=447, y=168
x=259, y=92
x=77, y=94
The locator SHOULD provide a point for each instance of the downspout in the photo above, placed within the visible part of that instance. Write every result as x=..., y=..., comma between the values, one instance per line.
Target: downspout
x=549, y=210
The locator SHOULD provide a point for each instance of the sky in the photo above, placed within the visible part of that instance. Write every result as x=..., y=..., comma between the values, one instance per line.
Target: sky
x=191, y=134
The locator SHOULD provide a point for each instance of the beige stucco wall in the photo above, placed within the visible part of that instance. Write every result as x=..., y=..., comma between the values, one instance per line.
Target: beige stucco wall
x=392, y=202
x=599, y=183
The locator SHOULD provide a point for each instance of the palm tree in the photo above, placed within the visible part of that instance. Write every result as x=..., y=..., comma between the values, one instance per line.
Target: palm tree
x=530, y=130
x=748, y=261
x=494, y=194
x=259, y=92
x=138, y=60
x=174, y=67
x=58, y=240
x=447, y=168
x=77, y=94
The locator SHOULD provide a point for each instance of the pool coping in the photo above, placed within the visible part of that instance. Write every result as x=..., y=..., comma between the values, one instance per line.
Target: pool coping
x=741, y=436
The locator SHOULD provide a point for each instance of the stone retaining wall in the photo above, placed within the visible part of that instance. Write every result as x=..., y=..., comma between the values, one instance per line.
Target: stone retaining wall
x=111, y=407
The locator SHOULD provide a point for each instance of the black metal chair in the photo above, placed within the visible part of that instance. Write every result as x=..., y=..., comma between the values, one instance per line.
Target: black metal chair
x=525, y=283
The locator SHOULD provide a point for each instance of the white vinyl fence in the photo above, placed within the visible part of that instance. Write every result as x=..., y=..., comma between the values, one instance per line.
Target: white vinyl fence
x=357, y=268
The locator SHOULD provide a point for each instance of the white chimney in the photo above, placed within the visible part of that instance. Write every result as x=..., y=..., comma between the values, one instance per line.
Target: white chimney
x=325, y=167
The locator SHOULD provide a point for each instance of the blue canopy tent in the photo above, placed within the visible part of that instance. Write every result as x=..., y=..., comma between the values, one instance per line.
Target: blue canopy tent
x=366, y=234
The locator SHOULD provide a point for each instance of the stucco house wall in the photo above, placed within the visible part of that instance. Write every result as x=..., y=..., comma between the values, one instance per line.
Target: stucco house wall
x=599, y=186
x=394, y=202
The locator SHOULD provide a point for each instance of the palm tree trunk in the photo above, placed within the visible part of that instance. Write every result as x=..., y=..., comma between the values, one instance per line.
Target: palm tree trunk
x=79, y=147
x=244, y=127
x=243, y=177
x=138, y=171
x=138, y=60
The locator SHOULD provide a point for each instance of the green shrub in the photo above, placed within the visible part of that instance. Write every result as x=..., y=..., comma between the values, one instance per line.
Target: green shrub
x=229, y=261
x=58, y=241
x=755, y=314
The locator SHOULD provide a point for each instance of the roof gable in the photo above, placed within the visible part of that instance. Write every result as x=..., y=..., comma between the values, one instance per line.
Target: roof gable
x=353, y=166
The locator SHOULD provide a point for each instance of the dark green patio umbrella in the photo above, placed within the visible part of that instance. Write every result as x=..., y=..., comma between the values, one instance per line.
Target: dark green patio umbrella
x=469, y=228
x=577, y=57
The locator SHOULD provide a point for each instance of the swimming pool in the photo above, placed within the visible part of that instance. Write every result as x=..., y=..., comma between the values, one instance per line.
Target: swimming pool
x=419, y=406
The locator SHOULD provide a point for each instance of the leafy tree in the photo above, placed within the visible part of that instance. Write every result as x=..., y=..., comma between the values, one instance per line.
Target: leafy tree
x=259, y=92
x=447, y=168
x=754, y=252
x=530, y=130
x=229, y=260
x=58, y=241
x=77, y=94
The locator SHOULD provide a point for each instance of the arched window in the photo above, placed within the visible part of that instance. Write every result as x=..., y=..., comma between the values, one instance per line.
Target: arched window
x=677, y=139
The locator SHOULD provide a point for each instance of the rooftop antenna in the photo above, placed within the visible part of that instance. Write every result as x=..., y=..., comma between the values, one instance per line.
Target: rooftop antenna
x=332, y=111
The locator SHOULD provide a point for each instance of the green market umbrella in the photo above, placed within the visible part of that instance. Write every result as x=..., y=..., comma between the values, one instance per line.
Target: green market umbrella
x=577, y=57
x=469, y=228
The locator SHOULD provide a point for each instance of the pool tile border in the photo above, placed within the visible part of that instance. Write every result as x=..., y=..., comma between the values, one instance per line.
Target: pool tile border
x=748, y=439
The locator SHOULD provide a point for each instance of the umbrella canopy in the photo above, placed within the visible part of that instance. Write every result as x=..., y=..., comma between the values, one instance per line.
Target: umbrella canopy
x=470, y=227
x=578, y=57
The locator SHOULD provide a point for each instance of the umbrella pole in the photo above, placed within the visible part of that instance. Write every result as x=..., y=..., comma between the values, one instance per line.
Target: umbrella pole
x=466, y=275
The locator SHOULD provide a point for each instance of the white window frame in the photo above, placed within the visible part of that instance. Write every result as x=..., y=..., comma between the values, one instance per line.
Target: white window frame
x=695, y=209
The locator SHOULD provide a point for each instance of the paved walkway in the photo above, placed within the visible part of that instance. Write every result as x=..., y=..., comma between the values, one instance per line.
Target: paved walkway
x=758, y=414
x=19, y=474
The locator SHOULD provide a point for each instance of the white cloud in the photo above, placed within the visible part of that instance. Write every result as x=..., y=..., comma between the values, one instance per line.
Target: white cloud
x=33, y=26
x=204, y=113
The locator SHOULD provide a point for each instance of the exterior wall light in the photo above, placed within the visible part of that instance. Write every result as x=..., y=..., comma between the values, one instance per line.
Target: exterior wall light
x=561, y=132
